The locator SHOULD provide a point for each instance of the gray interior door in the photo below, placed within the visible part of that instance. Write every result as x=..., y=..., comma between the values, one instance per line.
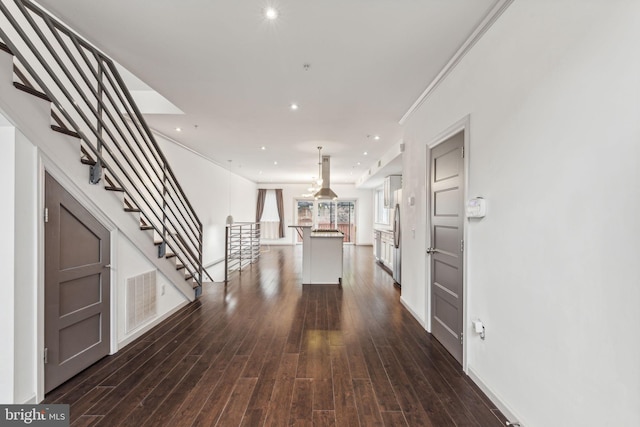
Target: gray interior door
x=77, y=282
x=447, y=225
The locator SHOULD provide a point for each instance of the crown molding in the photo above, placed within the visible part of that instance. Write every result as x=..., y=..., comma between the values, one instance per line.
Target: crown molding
x=477, y=34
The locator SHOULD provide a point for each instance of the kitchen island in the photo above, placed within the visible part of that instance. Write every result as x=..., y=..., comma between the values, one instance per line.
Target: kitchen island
x=321, y=255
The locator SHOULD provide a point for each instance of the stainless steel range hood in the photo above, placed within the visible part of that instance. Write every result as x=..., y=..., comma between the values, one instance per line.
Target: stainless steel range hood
x=325, y=192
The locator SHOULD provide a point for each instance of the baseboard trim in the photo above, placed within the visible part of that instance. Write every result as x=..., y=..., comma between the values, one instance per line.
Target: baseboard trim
x=211, y=264
x=413, y=313
x=146, y=328
x=32, y=401
x=506, y=410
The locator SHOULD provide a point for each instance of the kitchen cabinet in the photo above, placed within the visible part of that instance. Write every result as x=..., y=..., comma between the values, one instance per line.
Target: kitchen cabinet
x=391, y=184
x=326, y=257
x=386, y=249
x=377, y=244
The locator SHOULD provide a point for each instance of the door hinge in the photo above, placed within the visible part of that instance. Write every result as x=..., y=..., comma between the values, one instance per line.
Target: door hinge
x=461, y=245
x=46, y=214
x=462, y=152
x=461, y=337
x=46, y=355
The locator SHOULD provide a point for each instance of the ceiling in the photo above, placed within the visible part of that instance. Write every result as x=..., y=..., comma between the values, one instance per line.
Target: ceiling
x=354, y=68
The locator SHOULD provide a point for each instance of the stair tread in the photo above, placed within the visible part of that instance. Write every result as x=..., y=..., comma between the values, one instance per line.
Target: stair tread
x=86, y=158
x=31, y=91
x=5, y=48
x=111, y=186
x=65, y=131
x=130, y=207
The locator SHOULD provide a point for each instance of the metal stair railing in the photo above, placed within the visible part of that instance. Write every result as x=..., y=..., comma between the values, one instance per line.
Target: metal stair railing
x=92, y=100
x=242, y=246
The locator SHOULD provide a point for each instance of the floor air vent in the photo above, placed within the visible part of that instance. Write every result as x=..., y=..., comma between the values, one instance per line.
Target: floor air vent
x=141, y=299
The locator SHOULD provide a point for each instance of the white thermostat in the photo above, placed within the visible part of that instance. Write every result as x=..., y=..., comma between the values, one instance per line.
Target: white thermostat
x=476, y=208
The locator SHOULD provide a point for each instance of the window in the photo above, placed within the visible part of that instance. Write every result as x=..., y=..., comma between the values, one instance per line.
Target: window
x=328, y=214
x=270, y=220
x=381, y=214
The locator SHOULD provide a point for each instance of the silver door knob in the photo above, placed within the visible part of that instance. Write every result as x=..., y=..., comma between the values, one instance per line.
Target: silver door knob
x=107, y=266
x=431, y=251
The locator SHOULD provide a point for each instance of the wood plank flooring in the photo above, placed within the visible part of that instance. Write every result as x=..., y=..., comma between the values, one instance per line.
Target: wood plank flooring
x=267, y=351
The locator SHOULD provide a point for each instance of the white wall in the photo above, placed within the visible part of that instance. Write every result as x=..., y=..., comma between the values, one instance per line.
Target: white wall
x=553, y=95
x=214, y=194
x=292, y=192
x=131, y=262
x=26, y=269
x=7, y=265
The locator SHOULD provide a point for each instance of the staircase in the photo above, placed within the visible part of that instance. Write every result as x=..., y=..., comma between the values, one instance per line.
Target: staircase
x=90, y=103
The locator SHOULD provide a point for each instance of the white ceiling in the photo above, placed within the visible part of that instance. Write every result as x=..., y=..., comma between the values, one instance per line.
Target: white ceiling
x=234, y=74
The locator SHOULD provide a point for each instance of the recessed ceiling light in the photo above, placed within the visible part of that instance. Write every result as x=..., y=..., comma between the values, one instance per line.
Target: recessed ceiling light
x=263, y=148
x=377, y=137
x=275, y=163
x=294, y=106
x=365, y=153
x=358, y=163
x=178, y=129
x=270, y=13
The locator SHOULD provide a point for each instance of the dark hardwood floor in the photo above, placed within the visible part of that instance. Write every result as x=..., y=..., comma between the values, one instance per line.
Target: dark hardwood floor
x=265, y=350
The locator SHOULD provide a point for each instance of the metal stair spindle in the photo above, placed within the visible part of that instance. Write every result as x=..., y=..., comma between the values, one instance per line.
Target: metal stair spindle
x=92, y=103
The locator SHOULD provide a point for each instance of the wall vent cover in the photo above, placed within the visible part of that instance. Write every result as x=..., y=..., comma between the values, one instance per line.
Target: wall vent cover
x=141, y=300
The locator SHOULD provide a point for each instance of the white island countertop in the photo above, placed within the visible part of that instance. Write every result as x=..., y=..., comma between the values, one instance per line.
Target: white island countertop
x=331, y=233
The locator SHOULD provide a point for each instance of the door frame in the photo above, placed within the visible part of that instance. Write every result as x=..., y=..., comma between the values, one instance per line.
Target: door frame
x=462, y=125
x=46, y=165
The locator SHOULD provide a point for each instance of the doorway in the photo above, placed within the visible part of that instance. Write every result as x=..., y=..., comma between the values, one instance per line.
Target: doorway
x=446, y=215
x=77, y=287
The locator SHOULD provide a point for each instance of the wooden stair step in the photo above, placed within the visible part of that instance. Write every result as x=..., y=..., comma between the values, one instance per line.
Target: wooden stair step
x=65, y=131
x=60, y=124
x=130, y=207
x=146, y=226
x=31, y=91
x=5, y=48
x=110, y=186
x=85, y=157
